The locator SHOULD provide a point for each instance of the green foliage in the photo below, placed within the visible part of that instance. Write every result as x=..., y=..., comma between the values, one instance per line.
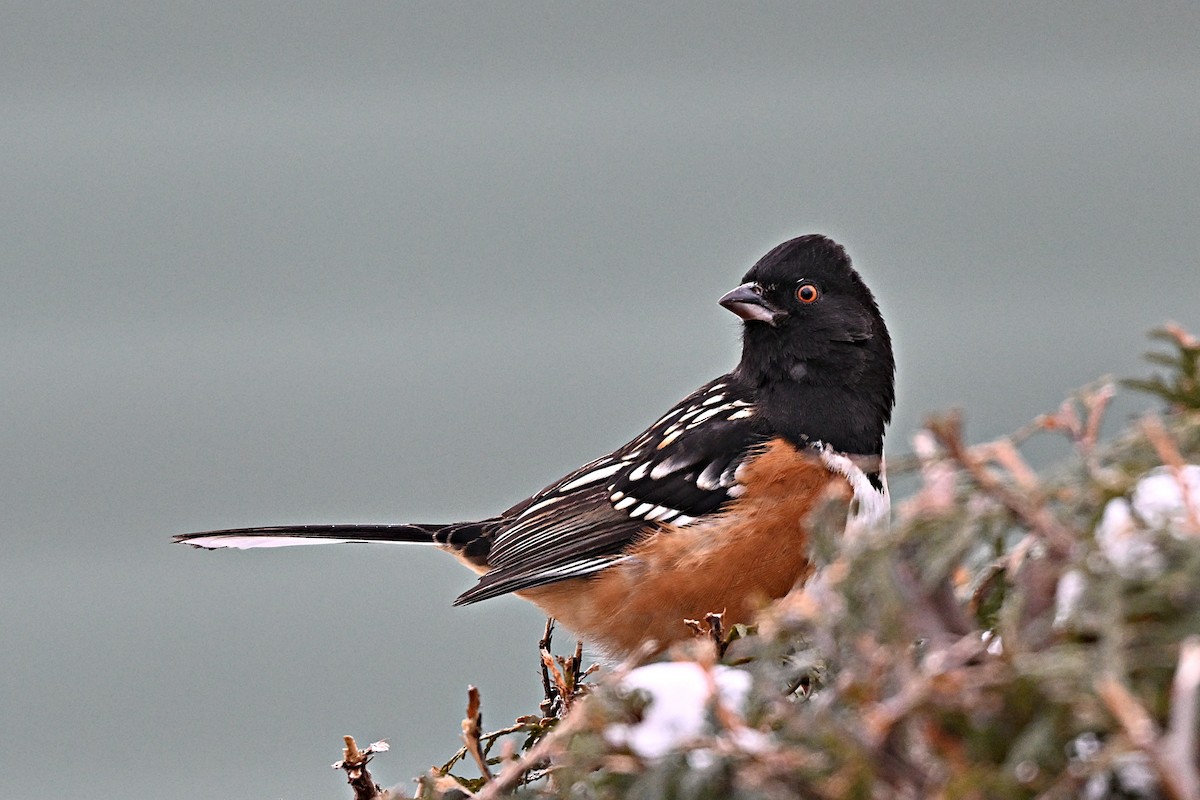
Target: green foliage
x=1180, y=387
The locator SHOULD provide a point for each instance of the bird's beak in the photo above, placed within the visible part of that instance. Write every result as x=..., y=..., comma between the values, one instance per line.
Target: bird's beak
x=748, y=303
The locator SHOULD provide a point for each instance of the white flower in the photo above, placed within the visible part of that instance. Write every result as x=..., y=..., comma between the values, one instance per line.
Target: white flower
x=1125, y=532
x=1159, y=499
x=680, y=694
x=1068, y=596
x=1128, y=547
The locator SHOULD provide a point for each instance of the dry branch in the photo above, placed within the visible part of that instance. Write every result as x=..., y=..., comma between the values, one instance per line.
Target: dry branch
x=354, y=764
x=1031, y=512
x=472, y=728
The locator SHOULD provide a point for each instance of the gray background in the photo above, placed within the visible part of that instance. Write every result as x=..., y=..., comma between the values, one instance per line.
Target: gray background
x=384, y=262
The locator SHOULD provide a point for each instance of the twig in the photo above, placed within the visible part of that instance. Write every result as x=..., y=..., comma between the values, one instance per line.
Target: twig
x=1178, y=745
x=547, y=688
x=1169, y=453
x=1178, y=775
x=561, y=677
x=354, y=764
x=472, y=727
x=512, y=775
x=577, y=673
x=948, y=431
x=487, y=740
x=1065, y=419
x=1004, y=453
x=562, y=688
x=1084, y=432
x=936, y=494
x=1164, y=445
x=1184, y=339
x=715, y=622
x=712, y=627
x=1096, y=402
x=935, y=615
x=884, y=715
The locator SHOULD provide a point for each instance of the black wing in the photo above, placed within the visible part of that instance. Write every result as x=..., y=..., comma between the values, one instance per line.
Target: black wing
x=681, y=469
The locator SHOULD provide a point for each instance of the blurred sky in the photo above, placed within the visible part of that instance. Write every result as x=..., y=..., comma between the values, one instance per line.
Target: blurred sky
x=369, y=261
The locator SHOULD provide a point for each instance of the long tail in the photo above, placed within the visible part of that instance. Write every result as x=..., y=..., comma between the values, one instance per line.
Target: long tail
x=292, y=535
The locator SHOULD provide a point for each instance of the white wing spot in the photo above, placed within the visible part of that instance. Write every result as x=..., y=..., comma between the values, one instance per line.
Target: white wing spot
x=656, y=513
x=670, y=437
x=716, y=398
x=665, y=417
x=578, y=568
x=549, y=501
x=729, y=476
x=666, y=467
x=639, y=472
x=624, y=504
x=642, y=509
x=707, y=415
x=591, y=477
x=745, y=413
x=709, y=479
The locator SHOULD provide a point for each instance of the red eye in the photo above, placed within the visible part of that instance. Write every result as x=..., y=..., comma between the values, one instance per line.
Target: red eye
x=807, y=293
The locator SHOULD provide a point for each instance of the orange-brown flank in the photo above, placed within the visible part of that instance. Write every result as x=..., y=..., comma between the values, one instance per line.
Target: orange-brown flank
x=749, y=555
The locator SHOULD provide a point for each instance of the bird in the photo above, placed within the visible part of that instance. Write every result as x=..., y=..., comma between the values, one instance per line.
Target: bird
x=706, y=510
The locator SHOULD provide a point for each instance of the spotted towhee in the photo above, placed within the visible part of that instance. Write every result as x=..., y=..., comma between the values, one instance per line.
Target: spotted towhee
x=705, y=511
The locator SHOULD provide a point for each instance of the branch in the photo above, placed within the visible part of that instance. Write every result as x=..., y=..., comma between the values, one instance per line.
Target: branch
x=1177, y=770
x=1178, y=745
x=472, y=727
x=354, y=764
x=1169, y=453
x=948, y=431
x=549, y=745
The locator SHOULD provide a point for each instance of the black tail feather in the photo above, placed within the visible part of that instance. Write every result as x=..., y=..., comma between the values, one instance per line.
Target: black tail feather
x=284, y=535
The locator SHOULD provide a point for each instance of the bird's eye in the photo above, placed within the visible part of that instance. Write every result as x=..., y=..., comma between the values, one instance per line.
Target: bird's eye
x=807, y=293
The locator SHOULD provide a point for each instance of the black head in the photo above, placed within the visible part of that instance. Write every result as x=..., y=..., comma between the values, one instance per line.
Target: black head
x=815, y=349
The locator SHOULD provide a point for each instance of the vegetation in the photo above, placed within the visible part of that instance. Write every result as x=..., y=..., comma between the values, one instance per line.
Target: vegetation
x=1012, y=635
